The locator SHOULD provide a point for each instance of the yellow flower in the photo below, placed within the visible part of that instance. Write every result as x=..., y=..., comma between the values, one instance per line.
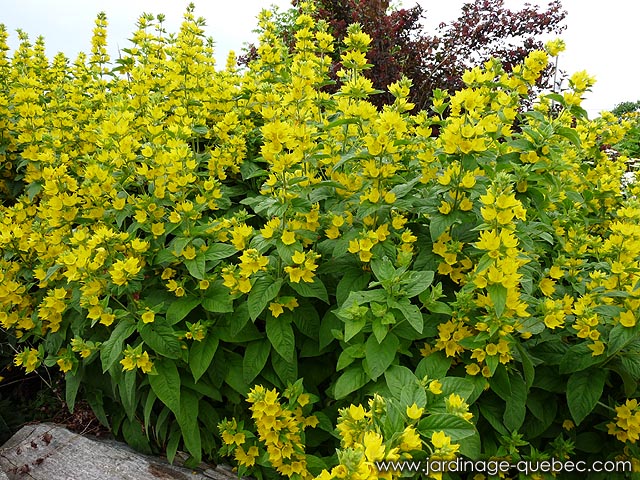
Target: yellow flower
x=555, y=272
x=444, y=208
x=189, y=252
x=627, y=318
x=65, y=364
x=148, y=316
x=435, y=387
x=373, y=446
x=413, y=412
x=547, y=286
x=107, y=318
x=597, y=348
x=157, y=229
x=472, y=369
x=410, y=440
x=442, y=444
x=288, y=237
x=357, y=413
x=276, y=309
x=554, y=47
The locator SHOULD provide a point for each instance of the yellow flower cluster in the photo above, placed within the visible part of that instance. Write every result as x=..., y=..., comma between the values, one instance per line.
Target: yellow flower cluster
x=280, y=428
x=626, y=425
x=134, y=358
x=362, y=442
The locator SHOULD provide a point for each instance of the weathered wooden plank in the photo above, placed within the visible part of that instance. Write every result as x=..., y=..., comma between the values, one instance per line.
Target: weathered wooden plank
x=51, y=452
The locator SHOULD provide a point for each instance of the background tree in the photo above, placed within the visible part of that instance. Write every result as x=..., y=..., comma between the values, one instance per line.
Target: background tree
x=626, y=107
x=484, y=29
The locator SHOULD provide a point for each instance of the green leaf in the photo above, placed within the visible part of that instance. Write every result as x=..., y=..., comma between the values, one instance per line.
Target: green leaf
x=398, y=378
x=172, y=443
x=413, y=393
x=578, y=357
x=197, y=266
x=166, y=384
x=96, y=402
x=162, y=339
x=201, y=354
x=148, y=408
x=180, y=308
x=434, y=366
x=351, y=380
x=188, y=421
x=218, y=251
x=411, y=313
x=217, y=299
x=493, y=413
x=329, y=323
x=452, y=425
x=353, y=280
x=498, y=294
x=380, y=355
x=263, y=291
x=471, y=447
x=584, y=389
x=307, y=320
x=516, y=405
x=380, y=330
x=111, y=350
x=255, y=358
x=383, y=269
x=418, y=282
x=280, y=334
x=287, y=371
x=234, y=376
x=438, y=224
x=353, y=327
x=460, y=386
x=315, y=289
x=527, y=365
x=128, y=393
x=570, y=134
x=134, y=437
x=72, y=384
x=621, y=336
x=501, y=383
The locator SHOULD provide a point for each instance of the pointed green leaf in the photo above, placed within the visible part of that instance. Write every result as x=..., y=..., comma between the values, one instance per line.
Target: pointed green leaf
x=516, y=405
x=584, y=389
x=197, y=266
x=180, y=308
x=72, y=384
x=111, y=350
x=380, y=355
x=452, y=425
x=218, y=251
x=255, y=358
x=498, y=295
x=188, y=421
x=351, y=380
x=201, y=354
x=282, y=339
x=263, y=291
x=166, y=384
x=162, y=339
x=315, y=289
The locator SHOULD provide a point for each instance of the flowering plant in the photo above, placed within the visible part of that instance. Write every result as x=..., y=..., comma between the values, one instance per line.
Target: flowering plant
x=173, y=234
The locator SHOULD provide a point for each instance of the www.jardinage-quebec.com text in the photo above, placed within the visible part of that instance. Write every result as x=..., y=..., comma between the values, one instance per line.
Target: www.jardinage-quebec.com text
x=494, y=467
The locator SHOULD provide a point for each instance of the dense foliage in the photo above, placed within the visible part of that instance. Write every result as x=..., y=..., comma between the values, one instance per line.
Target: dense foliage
x=239, y=263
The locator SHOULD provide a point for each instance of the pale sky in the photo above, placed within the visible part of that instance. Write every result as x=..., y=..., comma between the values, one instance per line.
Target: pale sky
x=602, y=37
